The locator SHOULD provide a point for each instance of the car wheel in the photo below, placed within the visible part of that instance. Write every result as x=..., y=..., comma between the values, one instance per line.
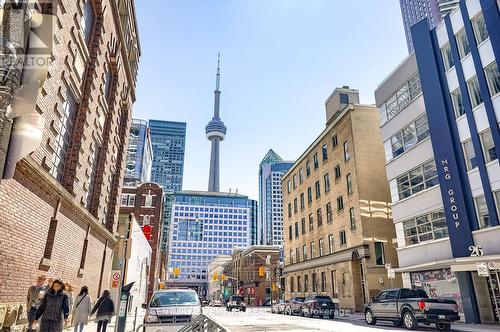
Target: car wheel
x=332, y=316
x=444, y=327
x=370, y=320
x=320, y=316
x=409, y=320
x=244, y=309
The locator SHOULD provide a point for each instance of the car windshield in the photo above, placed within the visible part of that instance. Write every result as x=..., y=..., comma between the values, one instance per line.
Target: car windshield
x=300, y=299
x=236, y=298
x=166, y=299
x=323, y=299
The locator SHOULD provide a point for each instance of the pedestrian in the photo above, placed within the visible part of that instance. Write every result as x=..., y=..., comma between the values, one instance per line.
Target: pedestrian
x=81, y=310
x=68, y=288
x=54, y=309
x=34, y=299
x=105, y=309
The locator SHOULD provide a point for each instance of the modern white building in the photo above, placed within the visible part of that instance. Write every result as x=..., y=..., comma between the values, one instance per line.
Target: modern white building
x=440, y=111
x=270, y=218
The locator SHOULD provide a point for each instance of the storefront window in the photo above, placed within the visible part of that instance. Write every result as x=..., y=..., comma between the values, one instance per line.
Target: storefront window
x=438, y=284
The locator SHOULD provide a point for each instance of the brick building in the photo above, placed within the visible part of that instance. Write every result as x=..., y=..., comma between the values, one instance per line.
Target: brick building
x=58, y=213
x=145, y=202
x=337, y=218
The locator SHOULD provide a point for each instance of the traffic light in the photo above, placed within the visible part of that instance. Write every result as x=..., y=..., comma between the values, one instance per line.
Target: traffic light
x=262, y=271
x=223, y=277
x=177, y=271
x=215, y=277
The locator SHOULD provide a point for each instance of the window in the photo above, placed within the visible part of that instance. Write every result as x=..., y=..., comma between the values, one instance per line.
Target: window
x=412, y=134
x=352, y=218
x=325, y=152
x=497, y=199
x=294, y=181
x=291, y=256
x=447, y=58
x=297, y=254
x=291, y=284
x=297, y=229
x=320, y=247
x=379, y=253
x=400, y=99
x=107, y=82
x=418, y=179
x=493, y=78
x=323, y=281
x=474, y=92
x=303, y=224
x=288, y=186
x=306, y=283
x=347, y=156
x=87, y=20
x=458, y=105
x=326, y=178
x=309, y=195
x=319, y=217
x=431, y=226
x=290, y=232
x=482, y=212
x=315, y=161
x=344, y=98
x=190, y=230
x=61, y=142
x=489, y=150
x=148, y=200
x=479, y=26
x=295, y=206
x=311, y=222
x=313, y=249
x=299, y=285
x=330, y=244
x=340, y=203
x=349, y=183
x=335, y=141
x=462, y=43
x=304, y=252
x=342, y=238
x=301, y=175
x=470, y=155
x=146, y=220
x=308, y=168
x=318, y=189
x=302, y=201
x=314, y=285
x=289, y=210
x=337, y=172
x=329, y=213
x=128, y=200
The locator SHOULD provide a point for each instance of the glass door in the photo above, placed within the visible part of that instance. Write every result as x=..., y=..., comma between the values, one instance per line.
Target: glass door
x=494, y=286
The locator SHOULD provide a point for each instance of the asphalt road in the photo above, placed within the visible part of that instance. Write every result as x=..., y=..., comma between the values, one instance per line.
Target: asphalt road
x=261, y=319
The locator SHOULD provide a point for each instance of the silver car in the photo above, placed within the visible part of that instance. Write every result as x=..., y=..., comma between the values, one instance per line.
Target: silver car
x=171, y=309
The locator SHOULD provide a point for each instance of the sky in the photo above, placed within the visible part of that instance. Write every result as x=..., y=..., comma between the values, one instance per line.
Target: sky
x=280, y=60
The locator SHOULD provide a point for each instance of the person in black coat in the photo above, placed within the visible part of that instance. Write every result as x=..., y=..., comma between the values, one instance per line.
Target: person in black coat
x=105, y=310
x=54, y=309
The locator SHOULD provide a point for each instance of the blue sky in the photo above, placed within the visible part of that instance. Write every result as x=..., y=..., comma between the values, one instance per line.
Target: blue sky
x=281, y=59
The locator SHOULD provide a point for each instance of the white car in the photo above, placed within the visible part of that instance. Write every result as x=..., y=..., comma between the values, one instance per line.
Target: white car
x=171, y=309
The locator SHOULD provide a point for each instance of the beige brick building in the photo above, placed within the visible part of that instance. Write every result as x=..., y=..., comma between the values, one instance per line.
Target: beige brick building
x=59, y=212
x=337, y=218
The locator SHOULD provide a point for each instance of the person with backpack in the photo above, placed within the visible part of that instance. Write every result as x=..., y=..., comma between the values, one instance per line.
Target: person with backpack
x=54, y=309
x=105, y=309
x=81, y=309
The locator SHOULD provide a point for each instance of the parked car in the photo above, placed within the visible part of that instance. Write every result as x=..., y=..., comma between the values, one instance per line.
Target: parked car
x=279, y=307
x=407, y=307
x=292, y=306
x=215, y=303
x=318, y=305
x=236, y=302
x=172, y=309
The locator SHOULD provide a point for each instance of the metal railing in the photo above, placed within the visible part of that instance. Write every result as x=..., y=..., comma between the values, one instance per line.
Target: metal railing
x=201, y=323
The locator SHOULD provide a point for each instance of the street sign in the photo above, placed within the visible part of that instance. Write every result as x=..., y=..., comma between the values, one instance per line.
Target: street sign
x=388, y=265
x=116, y=276
x=492, y=265
x=391, y=274
x=115, y=284
x=279, y=272
x=482, y=269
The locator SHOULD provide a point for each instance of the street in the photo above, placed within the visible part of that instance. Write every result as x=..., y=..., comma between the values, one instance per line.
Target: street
x=261, y=319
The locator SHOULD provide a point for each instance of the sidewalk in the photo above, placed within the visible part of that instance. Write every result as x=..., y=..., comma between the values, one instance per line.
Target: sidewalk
x=92, y=326
x=458, y=326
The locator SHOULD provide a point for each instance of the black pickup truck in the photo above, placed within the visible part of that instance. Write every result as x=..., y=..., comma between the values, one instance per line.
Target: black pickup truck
x=408, y=307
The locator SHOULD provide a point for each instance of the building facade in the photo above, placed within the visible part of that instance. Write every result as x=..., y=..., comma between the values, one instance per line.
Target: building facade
x=205, y=225
x=446, y=208
x=139, y=154
x=62, y=202
x=338, y=227
x=145, y=203
x=214, y=276
x=270, y=219
x=414, y=11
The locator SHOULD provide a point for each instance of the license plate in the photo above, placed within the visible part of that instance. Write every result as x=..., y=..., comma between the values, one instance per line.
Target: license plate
x=442, y=316
x=324, y=305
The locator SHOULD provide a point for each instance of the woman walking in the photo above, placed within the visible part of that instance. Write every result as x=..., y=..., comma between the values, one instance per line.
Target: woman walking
x=81, y=309
x=105, y=310
x=54, y=309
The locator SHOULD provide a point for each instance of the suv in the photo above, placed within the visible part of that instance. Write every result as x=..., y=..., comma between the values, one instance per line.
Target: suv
x=172, y=307
x=236, y=302
x=318, y=305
